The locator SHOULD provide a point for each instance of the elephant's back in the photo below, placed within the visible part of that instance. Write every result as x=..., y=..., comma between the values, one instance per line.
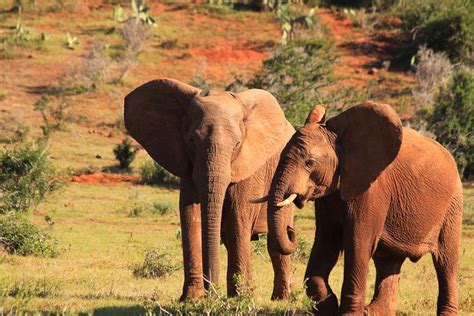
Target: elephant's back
x=425, y=156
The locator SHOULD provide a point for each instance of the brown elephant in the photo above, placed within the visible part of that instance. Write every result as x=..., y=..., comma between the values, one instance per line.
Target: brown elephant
x=381, y=191
x=225, y=148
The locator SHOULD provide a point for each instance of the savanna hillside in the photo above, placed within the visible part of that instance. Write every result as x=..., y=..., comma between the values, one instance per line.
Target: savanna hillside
x=84, y=231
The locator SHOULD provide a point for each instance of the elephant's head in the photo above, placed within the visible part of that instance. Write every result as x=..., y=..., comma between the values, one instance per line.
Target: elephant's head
x=212, y=139
x=344, y=155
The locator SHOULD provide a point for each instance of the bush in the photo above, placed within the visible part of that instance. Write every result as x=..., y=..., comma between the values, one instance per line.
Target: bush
x=125, y=154
x=26, y=177
x=157, y=264
x=54, y=114
x=452, y=120
x=152, y=173
x=161, y=208
x=19, y=236
x=442, y=25
x=296, y=75
x=433, y=70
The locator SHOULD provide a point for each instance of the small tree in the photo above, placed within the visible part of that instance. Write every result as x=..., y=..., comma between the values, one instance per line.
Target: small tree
x=125, y=154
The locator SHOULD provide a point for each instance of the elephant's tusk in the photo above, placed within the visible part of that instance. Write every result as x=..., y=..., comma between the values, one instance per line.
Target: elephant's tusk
x=288, y=200
x=259, y=200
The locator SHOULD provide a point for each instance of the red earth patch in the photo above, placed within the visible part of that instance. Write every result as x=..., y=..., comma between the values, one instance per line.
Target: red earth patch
x=103, y=178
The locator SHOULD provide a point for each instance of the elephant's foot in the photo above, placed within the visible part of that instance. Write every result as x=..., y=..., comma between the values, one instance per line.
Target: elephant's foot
x=327, y=306
x=377, y=308
x=194, y=290
x=280, y=295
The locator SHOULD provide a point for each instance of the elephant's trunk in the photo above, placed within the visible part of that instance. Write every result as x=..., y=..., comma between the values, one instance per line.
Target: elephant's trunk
x=281, y=235
x=213, y=181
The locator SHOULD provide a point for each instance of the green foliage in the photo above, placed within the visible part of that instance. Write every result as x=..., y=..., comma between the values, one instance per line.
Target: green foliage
x=296, y=75
x=71, y=41
x=157, y=264
x=303, y=250
x=452, y=120
x=161, y=208
x=26, y=177
x=442, y=25
x=152, y=173
x=54, y=114
x=125, y=154
x=140, y=12
x=383, y=4
x=19, y=236
x=289, y=19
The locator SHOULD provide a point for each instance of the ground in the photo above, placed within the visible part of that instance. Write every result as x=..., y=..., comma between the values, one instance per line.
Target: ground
x=100, y=238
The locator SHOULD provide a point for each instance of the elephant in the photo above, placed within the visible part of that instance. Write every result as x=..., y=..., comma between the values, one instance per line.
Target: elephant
x=381, y=191
x=225, y=148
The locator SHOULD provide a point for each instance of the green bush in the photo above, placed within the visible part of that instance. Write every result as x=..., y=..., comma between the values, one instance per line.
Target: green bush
x=26, y=177
x=442, y=25
x=161, y=208
x=296, y=75
x=125, y=154
x=152, y=173
x=158, y=263
x=452, y=120
x=54, y=114
x=19, y=236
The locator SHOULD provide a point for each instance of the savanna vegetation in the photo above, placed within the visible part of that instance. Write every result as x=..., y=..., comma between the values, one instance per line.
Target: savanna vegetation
x=89, y=223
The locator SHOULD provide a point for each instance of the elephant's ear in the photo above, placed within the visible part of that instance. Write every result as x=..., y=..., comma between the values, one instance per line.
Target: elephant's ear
x=153, y=114
x=370, y=135
x=266, y=132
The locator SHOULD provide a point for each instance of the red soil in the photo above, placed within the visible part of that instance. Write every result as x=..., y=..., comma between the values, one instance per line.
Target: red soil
x=103, y=178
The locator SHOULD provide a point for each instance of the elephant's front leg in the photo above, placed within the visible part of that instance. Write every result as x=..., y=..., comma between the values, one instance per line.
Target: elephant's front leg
x=237, y=241
x=190, y=217
x=361, y=234
x=325, y=253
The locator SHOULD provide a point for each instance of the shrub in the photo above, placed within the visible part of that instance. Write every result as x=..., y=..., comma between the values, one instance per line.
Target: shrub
x=152, y=173
x=452, y=120
x=26, y=177
x=125, y=154
x=134, y=35
x=19, y=236
x=158, y=263
x=13, y=128
x=442, y=25
x=161, y=208
x=296, y=75
x=90, y=73
x=54, y=114
x=433, y=70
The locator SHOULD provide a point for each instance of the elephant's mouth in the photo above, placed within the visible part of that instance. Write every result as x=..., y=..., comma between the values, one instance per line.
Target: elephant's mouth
x=298, y=199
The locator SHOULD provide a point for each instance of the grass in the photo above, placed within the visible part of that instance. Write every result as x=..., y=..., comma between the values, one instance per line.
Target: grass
x=100, y=244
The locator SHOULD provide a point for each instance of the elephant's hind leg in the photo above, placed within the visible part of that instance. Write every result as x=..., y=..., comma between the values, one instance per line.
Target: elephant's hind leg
x=446, y=260
x=384, y=301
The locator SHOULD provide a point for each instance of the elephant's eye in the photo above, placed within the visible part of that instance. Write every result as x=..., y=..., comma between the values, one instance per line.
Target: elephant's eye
x=310, y=163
